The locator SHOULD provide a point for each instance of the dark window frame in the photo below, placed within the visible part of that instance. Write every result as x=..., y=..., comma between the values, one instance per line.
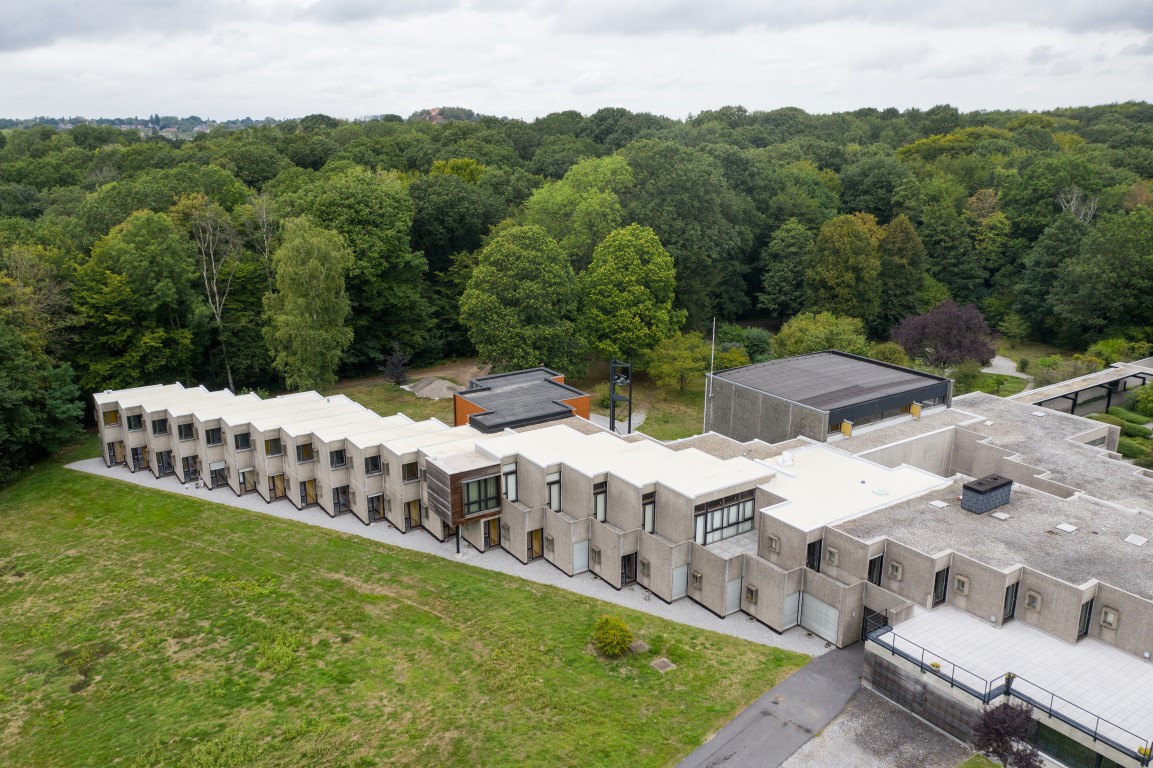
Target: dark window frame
x=136, y=419
x=186, y=431
x=300, y=448
x=242, y=441
x=268, y=446
x=724, y=518
x=410, y=472
x=214, y=432
x=160, y=427
x=649, y=512
x=601, y=501
x=338, y=459
x=487, y=495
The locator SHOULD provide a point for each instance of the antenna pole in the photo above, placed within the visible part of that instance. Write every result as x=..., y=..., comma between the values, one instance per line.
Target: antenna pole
x=709, y=378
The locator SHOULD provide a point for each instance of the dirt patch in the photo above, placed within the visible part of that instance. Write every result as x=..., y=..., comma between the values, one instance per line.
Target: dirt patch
x=459, y=371
x=383, y=591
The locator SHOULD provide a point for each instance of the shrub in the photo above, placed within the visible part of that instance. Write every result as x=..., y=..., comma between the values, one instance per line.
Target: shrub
x=612, y=636
x=1128, y=429
x=1023, y=365
x=966, y=377
x=1129, y=416
x=602, y=395
x=1131, y=448
x=1143, y=400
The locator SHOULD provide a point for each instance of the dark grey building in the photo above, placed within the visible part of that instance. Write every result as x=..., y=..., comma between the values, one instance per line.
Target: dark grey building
x=813, y=395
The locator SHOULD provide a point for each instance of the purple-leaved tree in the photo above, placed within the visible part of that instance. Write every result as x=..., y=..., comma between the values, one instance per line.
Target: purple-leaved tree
x=946, y=336
x=1003, y=734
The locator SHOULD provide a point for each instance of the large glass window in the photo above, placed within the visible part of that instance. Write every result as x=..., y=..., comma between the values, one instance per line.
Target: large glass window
x=186, y=431
x=510, y=489
x=481, y=495
x=112, y=418
x=340, y=503
x=722, y=518
x=337, y=458
x=242, y=441
x=376, y=507
x=649, y=512
x=160, y=427
x=304, y=453
x=600, y=501
x=372, y=465
x=552, y=488
x=213, y=436
x=272, y=447
x=135, y=422
x=409, y=472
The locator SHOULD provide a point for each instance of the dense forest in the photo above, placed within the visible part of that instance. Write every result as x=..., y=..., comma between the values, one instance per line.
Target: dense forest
x=273, y=255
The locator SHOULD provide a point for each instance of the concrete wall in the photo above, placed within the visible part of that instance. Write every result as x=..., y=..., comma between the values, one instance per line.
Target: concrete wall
x=985, y=596
x=852, y=557
x=1134, y=632
x=918, y=571
x=1060, y=604
x=793, y=543
x=714, y=571
x=663, y=556
x=931, y=452
x=745, y=414
x=773, y=586
x=846, y=598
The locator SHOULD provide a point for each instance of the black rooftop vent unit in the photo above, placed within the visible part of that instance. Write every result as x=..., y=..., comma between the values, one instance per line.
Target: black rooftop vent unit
x=986, y=494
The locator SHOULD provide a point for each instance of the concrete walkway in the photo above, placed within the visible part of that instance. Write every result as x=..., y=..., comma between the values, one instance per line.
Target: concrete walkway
x=683, y=611
x=784, y=719
x=1007, y=367
x=622, y=426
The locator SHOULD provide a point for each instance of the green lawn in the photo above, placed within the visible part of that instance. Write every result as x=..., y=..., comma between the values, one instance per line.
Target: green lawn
x=1011, y=385
x=979, y=761
x=1031, y=350
x=142, y=628
x=386, y=399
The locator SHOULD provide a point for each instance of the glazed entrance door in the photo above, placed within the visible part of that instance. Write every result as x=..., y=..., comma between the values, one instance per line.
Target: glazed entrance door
x=492, y=533
x=536, y=544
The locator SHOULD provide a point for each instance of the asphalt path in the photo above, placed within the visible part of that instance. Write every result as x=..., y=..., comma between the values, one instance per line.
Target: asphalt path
x=780, y=722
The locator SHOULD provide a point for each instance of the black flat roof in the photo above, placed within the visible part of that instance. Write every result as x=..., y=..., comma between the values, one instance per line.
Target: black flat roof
x=518, y=398
x=829, y=380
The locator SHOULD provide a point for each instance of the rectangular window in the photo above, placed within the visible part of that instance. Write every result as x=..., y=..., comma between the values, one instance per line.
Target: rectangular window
x=375, y=507
x=409, y=473
x=212, y=436
x=649, y=512
x=164, y=464
x=813, y=556
x=304, y=453
x=112, y=418
x=940, y=586
x=721, y=518
x=1009, y=609
x=481, y=495
x=160, y=427
x=242, y=441
x=247, y=480
x=1083, y=622
x=552, y=491
x=876, y=568
x=276, y=487
x=337, y=459
x=272, y=447
x=135, y=422
x=191, y=467
x=186, y=431
x=372, y=465
x=600, y=501
x=509, y=477
x=340, y=500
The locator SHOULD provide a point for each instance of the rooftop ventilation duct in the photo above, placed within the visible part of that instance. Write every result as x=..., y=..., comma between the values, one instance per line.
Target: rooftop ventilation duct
x=988, y=493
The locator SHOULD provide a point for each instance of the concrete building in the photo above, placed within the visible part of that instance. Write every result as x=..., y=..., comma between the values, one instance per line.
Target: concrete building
x=1047, y=598
x=815, y=395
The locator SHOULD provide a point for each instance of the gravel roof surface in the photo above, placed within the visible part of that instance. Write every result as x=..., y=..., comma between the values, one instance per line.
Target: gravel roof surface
x=1097, y=549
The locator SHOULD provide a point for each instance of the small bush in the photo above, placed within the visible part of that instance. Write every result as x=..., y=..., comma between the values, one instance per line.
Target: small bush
x=1129, y=416
x=1128, y=428
x=1131, y=448
x=1143, y=400
x=1023, y=365
x=612, y=636
x=602, y=395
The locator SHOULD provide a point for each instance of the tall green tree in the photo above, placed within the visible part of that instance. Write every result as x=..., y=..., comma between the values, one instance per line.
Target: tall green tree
x=521, y=303
x=141, y=319
x=1058, y=244
x=815, y=332
x=902, y=276
x=843, y=269
x=783, y=262
x=373, y=213
x=950, y=254
x=627, y=294
x=679, y=360
x=306, y=329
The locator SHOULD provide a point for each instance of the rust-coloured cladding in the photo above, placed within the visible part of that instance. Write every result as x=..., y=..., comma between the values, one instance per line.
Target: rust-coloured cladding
x=559, y=378
x=462, y=408
x=580, y=405
x=445, y=496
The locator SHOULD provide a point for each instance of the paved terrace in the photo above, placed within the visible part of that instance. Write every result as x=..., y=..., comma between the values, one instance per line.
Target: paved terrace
x=683, y=611
x=1091, y=676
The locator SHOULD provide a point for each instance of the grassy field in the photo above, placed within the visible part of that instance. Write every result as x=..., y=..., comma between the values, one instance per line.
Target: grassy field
x=979, y=761
x=1030, y=350
x=1011, y=385
x=142, y=628
x=386, y=399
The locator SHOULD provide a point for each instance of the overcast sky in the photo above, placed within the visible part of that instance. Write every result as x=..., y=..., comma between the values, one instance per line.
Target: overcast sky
x=525, y=58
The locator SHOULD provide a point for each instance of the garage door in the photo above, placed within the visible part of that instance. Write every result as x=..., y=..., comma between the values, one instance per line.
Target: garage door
x=792, y=605
x=819, y=618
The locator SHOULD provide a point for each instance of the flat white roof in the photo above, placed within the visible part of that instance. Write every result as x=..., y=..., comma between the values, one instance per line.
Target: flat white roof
x=823, y=486
x=134, y=394
x=377, y=435
x=412, y=443
x=690, y=472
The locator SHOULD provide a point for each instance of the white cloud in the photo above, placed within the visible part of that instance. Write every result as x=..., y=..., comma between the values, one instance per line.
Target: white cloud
x=347, y=58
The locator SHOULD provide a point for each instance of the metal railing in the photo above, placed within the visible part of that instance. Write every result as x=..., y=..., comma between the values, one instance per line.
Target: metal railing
x=1012, y=685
